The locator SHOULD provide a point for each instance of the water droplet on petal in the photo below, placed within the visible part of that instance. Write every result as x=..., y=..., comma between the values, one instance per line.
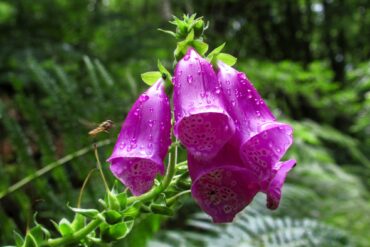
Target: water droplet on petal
x=190, y=79
x=187, y=57
x=144, y=98
x=151, y=123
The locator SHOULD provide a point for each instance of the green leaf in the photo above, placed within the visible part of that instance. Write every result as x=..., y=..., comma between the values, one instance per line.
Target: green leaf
x=118, y=231
x=65, y=227
x=227, y=58
x=151, y=77
x=168, y=32
x=112, y=217
x=190, y=36
x=132, y=211
x=78, y=222
x=113, y=202
x=161, y=209
x=30, y=241
x=37, y=233
x=122, y=199
x=18, y=239
x=40, y=229
x=216, y=51
x=164, y=71
x=200, y=46
x=90, y=213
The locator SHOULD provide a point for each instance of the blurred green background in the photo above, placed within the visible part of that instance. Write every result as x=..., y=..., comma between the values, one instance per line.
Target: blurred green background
x=67, y=65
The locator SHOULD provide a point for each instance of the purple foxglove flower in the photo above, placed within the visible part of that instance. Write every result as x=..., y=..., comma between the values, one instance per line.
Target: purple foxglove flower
x=143, y=141
x=221, y=187
x=262, y=140
x=202, y=124
x=273, y=190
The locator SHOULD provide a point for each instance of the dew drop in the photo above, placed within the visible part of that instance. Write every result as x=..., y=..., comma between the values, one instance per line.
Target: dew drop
x=162, y=125
x=233, y=102
x=190, y=79
x=144, y=98
x=187, y=57
x=151, y=123
x=151, y=109
x=258, y=113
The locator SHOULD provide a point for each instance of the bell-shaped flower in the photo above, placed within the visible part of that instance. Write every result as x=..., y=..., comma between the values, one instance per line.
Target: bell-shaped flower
x=274, y=187
x=221, y=186
x=143, y=141
x=262, y=140
x=202, y=124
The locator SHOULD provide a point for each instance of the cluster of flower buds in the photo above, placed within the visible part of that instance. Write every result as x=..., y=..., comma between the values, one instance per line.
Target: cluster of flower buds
x=234, y=142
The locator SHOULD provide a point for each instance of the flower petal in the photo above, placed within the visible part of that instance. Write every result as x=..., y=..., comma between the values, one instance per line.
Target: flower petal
x=202, y=124
x=143, y=141
x=274, y=190
x=137, y=174
x=221, y=186
x=223, y=192
x=261, y=152
x=243, y=102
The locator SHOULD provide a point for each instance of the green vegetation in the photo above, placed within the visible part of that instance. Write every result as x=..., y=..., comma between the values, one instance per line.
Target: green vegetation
x=66, y=66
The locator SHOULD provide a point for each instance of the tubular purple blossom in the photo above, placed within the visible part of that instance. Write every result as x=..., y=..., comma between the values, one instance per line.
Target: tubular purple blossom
x=202, y=124
x=143, y=141
x=262, y=141
x=253, y=120
x=221, y=187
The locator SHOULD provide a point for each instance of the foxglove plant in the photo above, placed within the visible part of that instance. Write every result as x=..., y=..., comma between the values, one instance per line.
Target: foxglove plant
x=233, y=141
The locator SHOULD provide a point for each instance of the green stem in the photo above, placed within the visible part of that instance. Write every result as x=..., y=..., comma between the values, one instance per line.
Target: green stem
x=172, y=200
x=83, y=187
x=100, y=168
x=171, y=169
x=75, y=236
